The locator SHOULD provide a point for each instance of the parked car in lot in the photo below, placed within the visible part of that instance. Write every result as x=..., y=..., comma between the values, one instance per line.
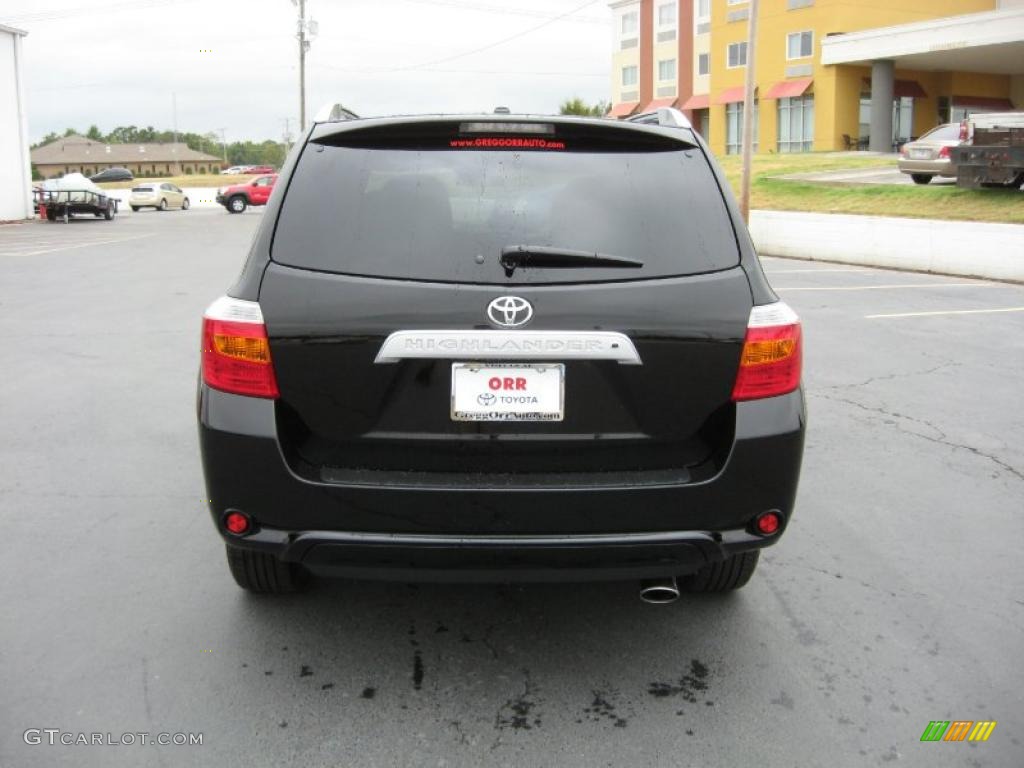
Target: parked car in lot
x=238, y=197
x=158, y=195
x=112, y=174
x=928, y=157
x=234, y=170
x=260, y=169
x=458, y=350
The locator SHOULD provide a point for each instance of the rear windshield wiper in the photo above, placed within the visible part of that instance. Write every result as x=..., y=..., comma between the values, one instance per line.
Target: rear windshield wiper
x=513, y=256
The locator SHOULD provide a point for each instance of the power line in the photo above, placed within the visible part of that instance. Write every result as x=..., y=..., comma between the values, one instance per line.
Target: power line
x=496, y=43
x=519, y=73
x=506, y=11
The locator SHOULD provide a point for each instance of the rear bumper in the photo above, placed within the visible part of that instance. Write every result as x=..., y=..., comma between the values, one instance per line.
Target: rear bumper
x=629, y=525
x=398, y=557
x=937, y=167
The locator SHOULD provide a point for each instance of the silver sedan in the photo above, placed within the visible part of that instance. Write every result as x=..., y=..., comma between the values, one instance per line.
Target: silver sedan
x=928, y=156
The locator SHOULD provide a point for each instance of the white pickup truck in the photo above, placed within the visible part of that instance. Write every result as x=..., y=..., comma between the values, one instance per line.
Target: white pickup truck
x=992, y=152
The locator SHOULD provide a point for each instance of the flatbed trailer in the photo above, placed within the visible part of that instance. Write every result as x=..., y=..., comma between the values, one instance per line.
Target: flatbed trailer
x=65, y=203
x=992, y=154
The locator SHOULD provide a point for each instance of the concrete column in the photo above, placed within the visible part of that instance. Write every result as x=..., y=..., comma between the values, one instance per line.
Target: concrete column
x=883, y=84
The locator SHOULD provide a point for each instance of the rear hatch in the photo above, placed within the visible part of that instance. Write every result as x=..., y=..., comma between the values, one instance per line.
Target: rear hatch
x=401, y=227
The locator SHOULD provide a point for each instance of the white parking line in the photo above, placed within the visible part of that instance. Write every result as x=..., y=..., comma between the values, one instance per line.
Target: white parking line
x=76, y=245
x=885, y=287
x=947, y=312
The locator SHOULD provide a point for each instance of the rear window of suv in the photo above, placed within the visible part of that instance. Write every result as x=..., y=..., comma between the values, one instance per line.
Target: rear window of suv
x=443, y=205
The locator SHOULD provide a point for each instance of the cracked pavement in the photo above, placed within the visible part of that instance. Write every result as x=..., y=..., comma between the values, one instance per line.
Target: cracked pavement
x=894, y=598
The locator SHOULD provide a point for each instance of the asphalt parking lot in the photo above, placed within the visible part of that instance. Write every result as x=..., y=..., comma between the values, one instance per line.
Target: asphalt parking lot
x=895, y=598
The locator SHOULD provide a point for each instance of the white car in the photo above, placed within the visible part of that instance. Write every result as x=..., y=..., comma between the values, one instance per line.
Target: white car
x=158, y=195
x=234, y=170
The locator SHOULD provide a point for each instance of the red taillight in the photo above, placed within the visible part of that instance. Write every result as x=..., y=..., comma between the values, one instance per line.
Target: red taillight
x=964, y=131
x=944, y=152
x=767, y=523
x=770, y=363
x=237, y=523
x=236, y=352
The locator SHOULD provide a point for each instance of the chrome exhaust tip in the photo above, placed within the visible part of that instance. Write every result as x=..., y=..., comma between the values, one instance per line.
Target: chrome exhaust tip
x=659, y=591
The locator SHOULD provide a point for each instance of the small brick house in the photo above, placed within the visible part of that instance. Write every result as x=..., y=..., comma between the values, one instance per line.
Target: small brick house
x=75, y=153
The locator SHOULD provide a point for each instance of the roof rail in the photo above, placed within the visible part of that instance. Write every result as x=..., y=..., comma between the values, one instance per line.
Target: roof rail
x=667, y=116
x=332, y=113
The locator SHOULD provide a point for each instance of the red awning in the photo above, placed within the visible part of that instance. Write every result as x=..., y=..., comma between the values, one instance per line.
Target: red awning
x=623, y=109
x=657, y=103
x=697, y=102
x=903, y=89
x=731, y=95
x=789, y=89
x=983, y=102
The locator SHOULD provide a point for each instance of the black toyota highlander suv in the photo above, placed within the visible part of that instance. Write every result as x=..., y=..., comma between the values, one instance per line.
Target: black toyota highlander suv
x=497, y=348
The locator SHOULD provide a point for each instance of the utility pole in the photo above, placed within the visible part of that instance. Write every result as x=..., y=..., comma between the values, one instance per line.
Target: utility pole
x=174, y=110
x=224, y=145
x=287, y=134
x=748, y=111
x=303, y=47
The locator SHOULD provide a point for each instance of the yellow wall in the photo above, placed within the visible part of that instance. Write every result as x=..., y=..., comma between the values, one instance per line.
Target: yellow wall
x=619, y=60
x=663, y=51
x=836, y=89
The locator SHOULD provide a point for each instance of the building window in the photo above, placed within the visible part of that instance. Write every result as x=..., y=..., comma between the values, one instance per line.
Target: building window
x=703, y=9
x=667, y=15
x=796, y=124
x=734, y=127
x=703, y=63
x=736, y=55
x=629, y=75
x=902, y=119
x=629, y=24
x=736, y=2
x=667, y=69
x=799, y=45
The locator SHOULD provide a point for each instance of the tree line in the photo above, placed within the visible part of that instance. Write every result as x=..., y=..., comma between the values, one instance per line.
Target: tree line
x=237, y=152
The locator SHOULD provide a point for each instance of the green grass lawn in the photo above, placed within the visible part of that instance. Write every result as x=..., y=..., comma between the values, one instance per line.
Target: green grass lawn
x=770, y=192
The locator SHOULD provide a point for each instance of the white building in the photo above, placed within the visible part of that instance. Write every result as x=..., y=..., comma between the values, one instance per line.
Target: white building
x=15, y=173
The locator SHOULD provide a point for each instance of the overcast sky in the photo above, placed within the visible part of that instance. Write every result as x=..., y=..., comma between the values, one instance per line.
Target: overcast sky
x=112, y=62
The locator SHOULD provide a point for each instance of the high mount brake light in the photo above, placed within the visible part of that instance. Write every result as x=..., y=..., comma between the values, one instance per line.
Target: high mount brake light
x=499, y=128
x=771, y=361
x=236, y=352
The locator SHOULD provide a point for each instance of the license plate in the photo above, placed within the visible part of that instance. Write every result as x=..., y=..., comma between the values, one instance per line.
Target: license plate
x=482, y=392
x=920, y=154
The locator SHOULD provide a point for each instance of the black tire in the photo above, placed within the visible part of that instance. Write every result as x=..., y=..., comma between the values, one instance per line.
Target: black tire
x=725, y=576
x=51, y=215
x=135, y=208
x=185, y=204
x=263, y=573
x=163, y=204
x=108, y=213
x=921, y=178
x=237, y=204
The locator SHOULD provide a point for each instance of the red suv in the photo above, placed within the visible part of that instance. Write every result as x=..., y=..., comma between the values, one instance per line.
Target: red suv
x=238, y=197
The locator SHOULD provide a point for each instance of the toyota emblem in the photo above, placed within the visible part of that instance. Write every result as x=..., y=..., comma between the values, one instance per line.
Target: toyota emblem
x=509, y=311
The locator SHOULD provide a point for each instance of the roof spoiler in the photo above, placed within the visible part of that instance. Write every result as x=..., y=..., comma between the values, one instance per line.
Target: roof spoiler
x=666, y=116
x=333, y=113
